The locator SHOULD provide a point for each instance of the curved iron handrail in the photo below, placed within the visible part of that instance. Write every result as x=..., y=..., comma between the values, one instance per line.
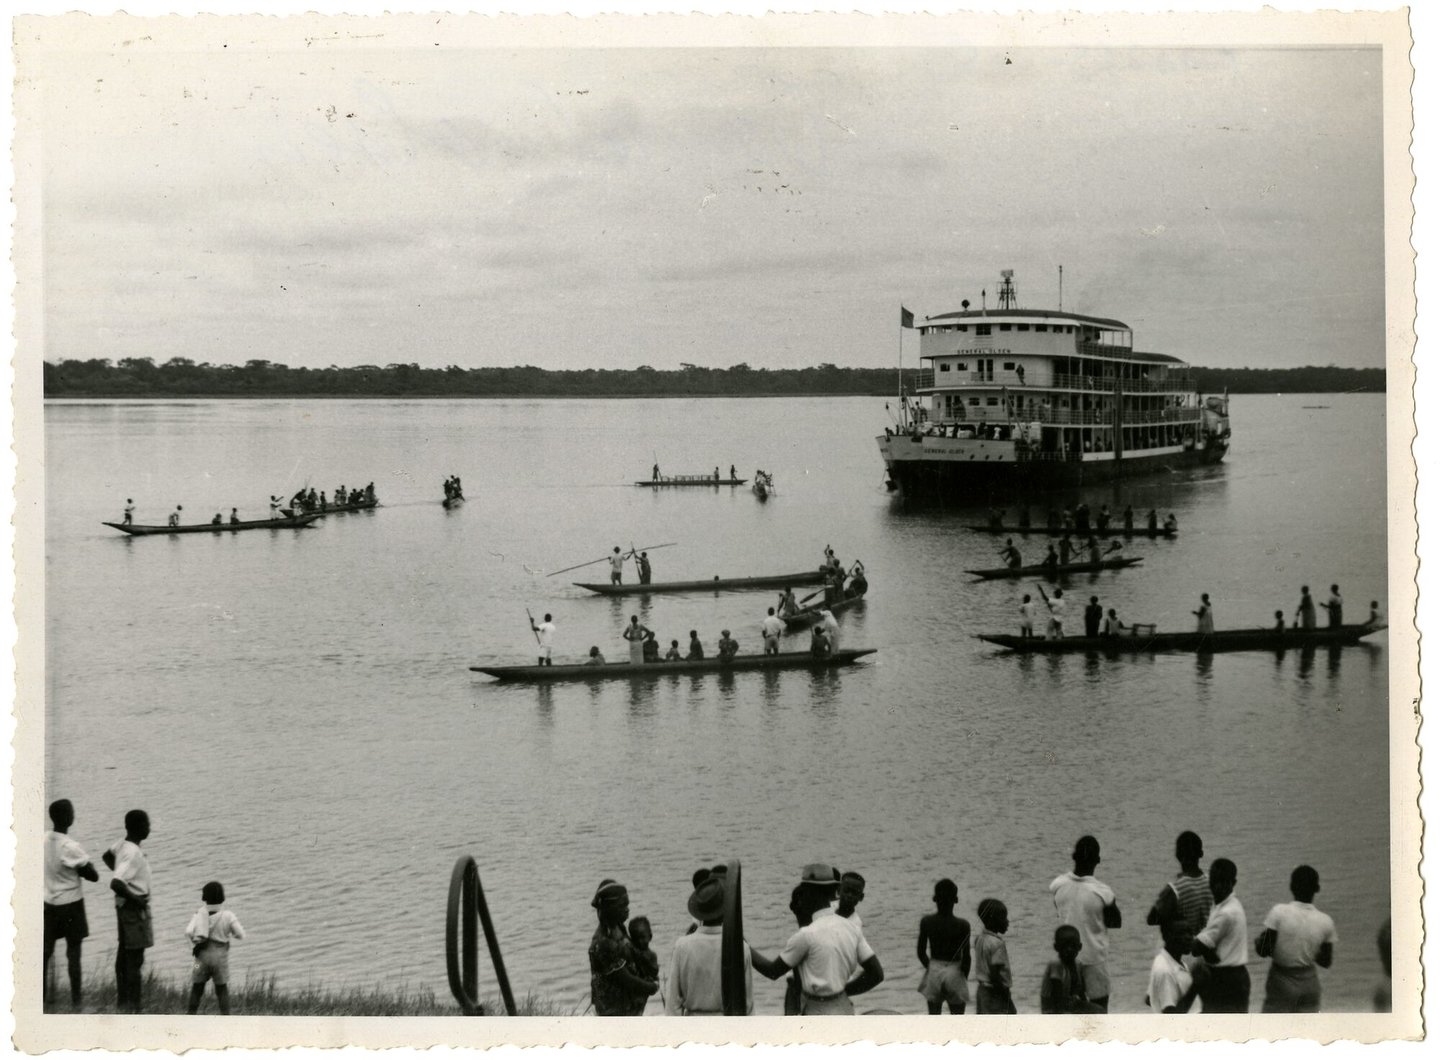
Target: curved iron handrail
x=465, y=905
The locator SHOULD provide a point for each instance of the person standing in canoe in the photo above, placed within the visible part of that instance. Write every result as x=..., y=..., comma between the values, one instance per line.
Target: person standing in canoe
x=1094, y=615
x=1051, y=560
x=129, y=516
x=174, y=519
x=786, y=606
x=1010, y=554
x=635, y=633
x=644, y=564
x=1056, y=629
x=771, y=629
x=655, y=473
x=1027, y=617
x=1129, y=518
x=1066, y=548
x=617, y=565
x=1335, y=607
x=1204, y=617
x=234, y=516
x=832, y=629
x=1305, y=613
x=545, y=638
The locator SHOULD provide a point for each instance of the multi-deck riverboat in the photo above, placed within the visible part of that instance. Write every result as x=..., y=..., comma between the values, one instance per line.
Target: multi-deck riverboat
x=1017, y=397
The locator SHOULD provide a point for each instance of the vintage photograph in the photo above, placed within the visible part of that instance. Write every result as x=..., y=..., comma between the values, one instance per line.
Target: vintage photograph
x=786, y=518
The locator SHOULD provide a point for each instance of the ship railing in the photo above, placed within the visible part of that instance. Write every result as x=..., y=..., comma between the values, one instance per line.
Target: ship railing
x=1172, y=384
x=1075, y=417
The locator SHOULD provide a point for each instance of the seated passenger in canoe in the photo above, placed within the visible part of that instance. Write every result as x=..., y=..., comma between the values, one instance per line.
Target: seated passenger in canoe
x=728, y=647
x=234, y=516
x=174, y=519
x=596, y=659
x=697, y=650
x=1171, y=523
x=650, y=649
x=673, y=655
x=1051, y=560
x=819, y=643
x=1375, y=619
x=1279, y=626
x=858, y=585
x=1113, y=625
x=1010, y=554
x=217, y=521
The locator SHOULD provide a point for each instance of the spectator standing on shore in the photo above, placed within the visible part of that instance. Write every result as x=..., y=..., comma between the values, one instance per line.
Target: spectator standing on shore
x=992, y=961
x=1297, y=938
x=1089, y=906
x=614, y=984
x=943, y=947
x=852, y=893
x=66, y=864
x=1187, y=897
x=1062, y=988
x=827, y=951
x=1173, y=986
x=131, y=883
x=693, y=986
x=210, y=931
x=1224, y=944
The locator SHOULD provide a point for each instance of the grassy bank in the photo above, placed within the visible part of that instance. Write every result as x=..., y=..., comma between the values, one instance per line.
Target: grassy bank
x=263, y=996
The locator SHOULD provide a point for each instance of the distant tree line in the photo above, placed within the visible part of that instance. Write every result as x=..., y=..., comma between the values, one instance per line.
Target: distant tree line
x=183, y=377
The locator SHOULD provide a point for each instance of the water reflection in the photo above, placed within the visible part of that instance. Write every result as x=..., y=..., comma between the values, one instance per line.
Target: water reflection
x=545, y=704
x=769, y=687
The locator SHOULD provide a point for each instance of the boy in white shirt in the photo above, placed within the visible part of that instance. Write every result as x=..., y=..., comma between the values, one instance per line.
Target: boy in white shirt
x=1297, y=938
x=131, y=884
x=66, y=864
x=210, y=930
x=1223, y=943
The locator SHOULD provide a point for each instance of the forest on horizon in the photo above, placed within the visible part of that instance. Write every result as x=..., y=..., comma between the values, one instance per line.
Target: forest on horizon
x=183, y=377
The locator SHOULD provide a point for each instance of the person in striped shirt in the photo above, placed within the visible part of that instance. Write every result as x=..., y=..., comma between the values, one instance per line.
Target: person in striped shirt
x=1187, y=897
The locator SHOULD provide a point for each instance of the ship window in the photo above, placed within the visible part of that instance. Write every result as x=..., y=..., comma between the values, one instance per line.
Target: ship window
x=944, y=366
x=960, y=366
x=964, y=327
x=974, y=401
x=1069, y=329
x=992, y=401
x=1004, y=327
x=1009, y=366
x=1022, y=327
x=982, y=329
x=1040, y=327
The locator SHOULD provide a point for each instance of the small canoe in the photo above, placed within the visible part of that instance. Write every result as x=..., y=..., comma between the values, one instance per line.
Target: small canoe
x=793, y=660
x=810, y=615
x=1220, y=640
x=1039, y=570
x=1111, y=531
x=691, y=480
x=453, y=502
x=716, y=584
x=142, y=530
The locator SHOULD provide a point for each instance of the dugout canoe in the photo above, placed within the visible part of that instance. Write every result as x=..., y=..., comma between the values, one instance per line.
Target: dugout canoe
x=716, y=584
x=453, y=502
x=691, y=480
x=1112, y=531
x=341, y=509
x=793, y=660
x=144, y=530
x=1039, y=570
x=809, y=617
x=1220, y=640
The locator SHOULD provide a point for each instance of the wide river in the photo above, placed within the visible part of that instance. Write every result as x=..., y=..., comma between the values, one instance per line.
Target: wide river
x=296, y=712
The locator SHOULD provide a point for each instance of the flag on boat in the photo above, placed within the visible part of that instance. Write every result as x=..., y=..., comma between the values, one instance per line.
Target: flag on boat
x=907, y=318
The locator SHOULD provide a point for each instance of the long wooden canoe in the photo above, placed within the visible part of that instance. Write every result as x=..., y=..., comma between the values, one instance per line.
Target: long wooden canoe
x=691, y=480
x=716, y=584
x=143, y=530
x=1220, y=640
x=1110, y=531
x=792, y=660
x=1039, y=570
x=341, y=509
x=810, y=616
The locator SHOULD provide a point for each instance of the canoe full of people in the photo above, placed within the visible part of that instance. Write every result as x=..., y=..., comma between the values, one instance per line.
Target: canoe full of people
x=217, y=525
x=657, y=480
x=454, y=492
x=1080, y=520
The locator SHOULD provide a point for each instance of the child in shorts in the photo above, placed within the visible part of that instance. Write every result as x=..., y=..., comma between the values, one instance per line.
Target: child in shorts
x=1063, y=988
x=992, y=962
x=210, y=930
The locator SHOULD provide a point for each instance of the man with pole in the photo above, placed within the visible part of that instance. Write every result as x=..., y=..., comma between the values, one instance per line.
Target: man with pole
x=544, y=636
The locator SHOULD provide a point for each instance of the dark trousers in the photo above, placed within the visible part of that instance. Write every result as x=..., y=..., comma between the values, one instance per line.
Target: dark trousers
x=1228, y=989
x=129, y=978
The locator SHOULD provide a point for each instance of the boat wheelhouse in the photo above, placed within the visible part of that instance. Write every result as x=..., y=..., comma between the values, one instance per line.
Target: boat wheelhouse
x=1015, y=397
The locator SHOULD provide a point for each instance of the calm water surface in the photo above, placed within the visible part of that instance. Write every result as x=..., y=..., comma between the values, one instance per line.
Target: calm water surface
x=295, y=710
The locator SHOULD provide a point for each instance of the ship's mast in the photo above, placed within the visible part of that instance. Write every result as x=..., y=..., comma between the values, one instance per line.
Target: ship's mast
x=1007, y=290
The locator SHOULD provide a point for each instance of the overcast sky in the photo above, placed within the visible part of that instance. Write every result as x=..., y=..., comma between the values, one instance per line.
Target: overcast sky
x=351, y=198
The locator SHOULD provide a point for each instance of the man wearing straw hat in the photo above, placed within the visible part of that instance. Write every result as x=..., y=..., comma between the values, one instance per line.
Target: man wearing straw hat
x=693, y=987
x=827, y=951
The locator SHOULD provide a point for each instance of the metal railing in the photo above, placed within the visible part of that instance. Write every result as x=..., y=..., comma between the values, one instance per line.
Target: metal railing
x=1172, y=384
x=467, y=906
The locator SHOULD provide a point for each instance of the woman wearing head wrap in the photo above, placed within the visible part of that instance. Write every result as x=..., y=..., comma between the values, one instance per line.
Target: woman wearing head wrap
x=615, y=988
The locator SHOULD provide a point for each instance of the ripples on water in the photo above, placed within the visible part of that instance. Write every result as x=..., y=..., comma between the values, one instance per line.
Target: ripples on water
x=295, y=711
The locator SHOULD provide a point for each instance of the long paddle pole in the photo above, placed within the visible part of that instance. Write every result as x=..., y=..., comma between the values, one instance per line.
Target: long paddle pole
x=532, y=626
x=602, y=559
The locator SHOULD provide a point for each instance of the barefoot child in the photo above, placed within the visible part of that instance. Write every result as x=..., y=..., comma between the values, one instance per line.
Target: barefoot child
x=992, y=962
x=210, y=930
x=947, y=962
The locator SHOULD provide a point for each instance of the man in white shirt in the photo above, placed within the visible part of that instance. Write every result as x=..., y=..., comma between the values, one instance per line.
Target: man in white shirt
x=1089, y=906
x=827, y=951
x=66, y=864
x=617, y=566
x=771, y=629
x=1297, y=938
x=693, y=986
x=1223, y=942
x=832, y=629
x=131, y=884
x=545, y=637
x=1056, y=628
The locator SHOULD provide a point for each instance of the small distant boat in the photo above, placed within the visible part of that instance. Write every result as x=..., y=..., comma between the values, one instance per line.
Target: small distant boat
x=1220, y=640
x=1109, y=531
x=810, y=616
x=453, y=502
x=691, y=480
x=1040, y=570
x=794, y=660
x=763, y=486
x=289, y=522
x=716, y=584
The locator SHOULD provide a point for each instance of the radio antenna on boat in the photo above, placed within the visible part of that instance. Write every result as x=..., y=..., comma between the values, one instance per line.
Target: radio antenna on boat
x=1006, y=298
x=1061, y=305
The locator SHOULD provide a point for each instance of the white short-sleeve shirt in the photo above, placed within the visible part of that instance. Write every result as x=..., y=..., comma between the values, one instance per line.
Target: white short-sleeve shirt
x=1169, y=979
x=1080, y=901
x=131, y=867
x=63, y=856
x=827, y=952
x=1300, y=930
x=1225, y=933
x=546, y=631
x=772, y=626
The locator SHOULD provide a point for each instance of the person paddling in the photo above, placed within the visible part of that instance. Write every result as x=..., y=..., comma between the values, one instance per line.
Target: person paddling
x=1010, y=554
